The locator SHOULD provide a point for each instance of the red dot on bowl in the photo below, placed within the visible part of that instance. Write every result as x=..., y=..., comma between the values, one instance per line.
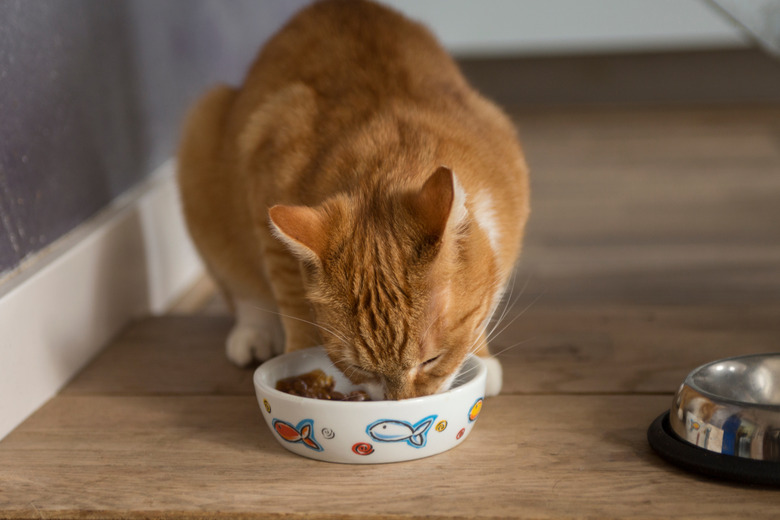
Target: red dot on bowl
x=460, y=433
x=362, y=448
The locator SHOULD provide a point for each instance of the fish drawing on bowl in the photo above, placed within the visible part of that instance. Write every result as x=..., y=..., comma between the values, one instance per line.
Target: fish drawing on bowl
x=398, y=431
x=366, y=432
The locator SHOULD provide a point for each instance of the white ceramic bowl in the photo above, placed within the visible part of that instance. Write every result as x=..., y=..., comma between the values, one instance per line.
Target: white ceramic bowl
x=366, y=432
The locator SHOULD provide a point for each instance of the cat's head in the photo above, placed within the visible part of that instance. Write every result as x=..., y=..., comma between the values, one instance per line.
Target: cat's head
x=400, y=290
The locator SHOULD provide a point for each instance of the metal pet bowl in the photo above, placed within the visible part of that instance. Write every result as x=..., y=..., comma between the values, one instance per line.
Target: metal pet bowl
x=725, y=420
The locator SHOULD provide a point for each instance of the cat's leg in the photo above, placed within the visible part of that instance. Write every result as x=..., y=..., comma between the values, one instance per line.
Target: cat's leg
x=495, y=374
x=221, y=228
x=256, y=335
x=273, y=151
x=300, y=330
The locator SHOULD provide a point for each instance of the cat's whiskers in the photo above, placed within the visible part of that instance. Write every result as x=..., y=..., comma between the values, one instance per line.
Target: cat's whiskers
x=334, y=364
x=494, y=332
x=480, y=341
x=344, y=358
x=505, y=349
x=427, y=330
x=481, y=337
x=353, y=369
x=326, y=329
x=514, y=345
x=505, y=297
x=509, y=302
x=516, y=317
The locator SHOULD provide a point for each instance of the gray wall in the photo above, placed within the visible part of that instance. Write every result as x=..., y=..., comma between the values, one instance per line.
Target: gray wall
x=92, y=93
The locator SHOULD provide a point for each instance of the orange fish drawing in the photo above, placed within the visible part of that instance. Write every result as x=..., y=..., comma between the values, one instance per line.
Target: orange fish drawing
x=303, y=432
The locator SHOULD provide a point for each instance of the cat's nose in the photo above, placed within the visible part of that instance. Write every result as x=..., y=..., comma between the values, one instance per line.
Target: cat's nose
x=403, y=385
x=396, y=390
x=397, y=394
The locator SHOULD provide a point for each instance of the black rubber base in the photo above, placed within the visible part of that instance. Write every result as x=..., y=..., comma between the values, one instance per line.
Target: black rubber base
x=693, y=458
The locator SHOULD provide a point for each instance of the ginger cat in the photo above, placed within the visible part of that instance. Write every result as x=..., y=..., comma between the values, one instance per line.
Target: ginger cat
x=356, y=192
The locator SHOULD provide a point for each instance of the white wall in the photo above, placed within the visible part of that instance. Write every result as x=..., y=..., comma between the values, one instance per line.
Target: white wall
x=538, y=27
x=760, y=17
x=132, y=259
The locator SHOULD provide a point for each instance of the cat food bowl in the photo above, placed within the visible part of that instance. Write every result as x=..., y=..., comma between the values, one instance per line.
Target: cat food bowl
x=725, y=420
x=366, y=432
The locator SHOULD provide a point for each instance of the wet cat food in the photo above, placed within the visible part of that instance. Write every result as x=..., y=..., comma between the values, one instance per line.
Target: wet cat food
x=318, y=385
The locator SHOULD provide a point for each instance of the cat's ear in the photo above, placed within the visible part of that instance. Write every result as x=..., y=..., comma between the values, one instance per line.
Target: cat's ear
x=301, y=228
x=440, y=204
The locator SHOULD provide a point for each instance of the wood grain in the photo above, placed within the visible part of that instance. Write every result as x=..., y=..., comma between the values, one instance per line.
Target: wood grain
x=167, y=355
x=544, y=349
x=653, y=206
x=653, y=247
x=197, y=298
x=528, y=457
x=664, y=78
x=625, y=349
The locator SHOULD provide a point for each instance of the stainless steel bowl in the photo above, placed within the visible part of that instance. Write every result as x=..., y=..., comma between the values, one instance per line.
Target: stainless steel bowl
x=732, y=406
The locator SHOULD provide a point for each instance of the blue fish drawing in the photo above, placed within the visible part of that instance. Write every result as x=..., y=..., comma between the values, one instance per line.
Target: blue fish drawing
x=389, y=430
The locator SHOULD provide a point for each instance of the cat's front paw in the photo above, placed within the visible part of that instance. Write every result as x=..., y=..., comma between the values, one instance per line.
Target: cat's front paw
x=495, y=376
x=245, y=344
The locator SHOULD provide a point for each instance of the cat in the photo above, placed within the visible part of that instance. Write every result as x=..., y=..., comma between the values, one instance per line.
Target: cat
x=356, y=192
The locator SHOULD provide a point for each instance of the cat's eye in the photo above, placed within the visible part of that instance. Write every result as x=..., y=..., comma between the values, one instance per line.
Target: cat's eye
x=430, y=361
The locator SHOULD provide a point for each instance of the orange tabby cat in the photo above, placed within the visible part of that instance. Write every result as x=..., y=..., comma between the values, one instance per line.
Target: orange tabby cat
x=356, y=191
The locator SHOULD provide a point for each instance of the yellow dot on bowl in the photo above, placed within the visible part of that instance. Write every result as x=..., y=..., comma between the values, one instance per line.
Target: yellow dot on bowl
x=267, y=405
x=475, y=409
x=441, y=425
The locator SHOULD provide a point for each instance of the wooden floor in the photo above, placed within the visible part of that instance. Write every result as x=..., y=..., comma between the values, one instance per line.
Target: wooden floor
x=654, y=246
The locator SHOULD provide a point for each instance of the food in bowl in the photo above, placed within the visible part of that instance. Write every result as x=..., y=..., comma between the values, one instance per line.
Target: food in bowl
x=316, y=384
x=366, y=432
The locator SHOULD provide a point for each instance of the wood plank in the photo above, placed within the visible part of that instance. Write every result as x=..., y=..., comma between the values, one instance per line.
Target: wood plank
x=167, y=355
x=643, y=206
x=569, y=349
x=653, y=177
x=653, y=274
x=197, y=298
x=653, y=247
x=624, y=349
x=663, y=206
x=528, y=457
x=665, y=78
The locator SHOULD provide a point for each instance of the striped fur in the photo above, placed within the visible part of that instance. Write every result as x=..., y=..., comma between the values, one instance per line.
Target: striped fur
x=357, y=189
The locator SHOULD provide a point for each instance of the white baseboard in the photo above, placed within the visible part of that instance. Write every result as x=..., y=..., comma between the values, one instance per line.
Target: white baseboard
x=67, y=302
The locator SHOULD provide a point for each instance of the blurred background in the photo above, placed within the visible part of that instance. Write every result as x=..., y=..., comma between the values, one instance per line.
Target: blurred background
x=652, y=129
x=92, y=93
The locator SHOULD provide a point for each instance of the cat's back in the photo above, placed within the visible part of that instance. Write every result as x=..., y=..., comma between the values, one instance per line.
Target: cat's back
x=353, y=51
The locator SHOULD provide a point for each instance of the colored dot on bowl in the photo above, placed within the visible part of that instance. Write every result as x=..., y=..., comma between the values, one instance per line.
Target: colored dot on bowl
x=362, y=448
x=475, y=409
